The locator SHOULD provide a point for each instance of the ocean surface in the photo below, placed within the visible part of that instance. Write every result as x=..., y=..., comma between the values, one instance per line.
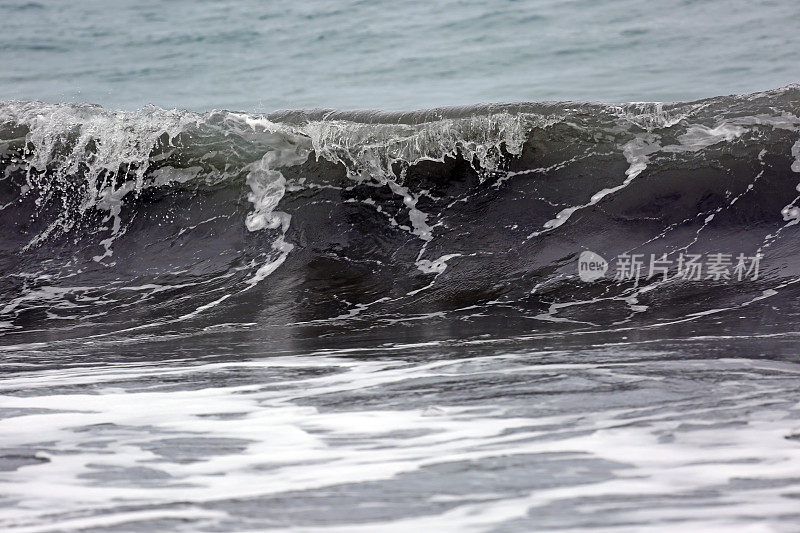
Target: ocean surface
x=258, y=56
x=234, y=298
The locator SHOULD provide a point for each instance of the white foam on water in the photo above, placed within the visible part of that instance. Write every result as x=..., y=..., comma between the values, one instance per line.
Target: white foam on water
x=65, y=140
x=374, y=149
x=436, y=266
x=636, y=152
x=267, y=185
x=796, y=154
x=676, y=440
x=699, y=137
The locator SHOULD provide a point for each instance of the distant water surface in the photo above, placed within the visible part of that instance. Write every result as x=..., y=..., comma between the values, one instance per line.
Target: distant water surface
x=261, y=56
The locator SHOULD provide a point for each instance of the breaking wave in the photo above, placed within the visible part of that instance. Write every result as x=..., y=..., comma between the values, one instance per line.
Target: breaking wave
x=359, y=220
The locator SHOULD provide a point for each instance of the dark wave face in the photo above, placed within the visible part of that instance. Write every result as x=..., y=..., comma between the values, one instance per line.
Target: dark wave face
x=310, y=223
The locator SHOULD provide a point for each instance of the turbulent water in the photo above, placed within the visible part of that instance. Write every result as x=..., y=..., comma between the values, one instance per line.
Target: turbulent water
x=342, y=320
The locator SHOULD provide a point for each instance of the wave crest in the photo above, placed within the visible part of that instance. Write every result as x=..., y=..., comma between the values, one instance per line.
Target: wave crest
x=425, y=211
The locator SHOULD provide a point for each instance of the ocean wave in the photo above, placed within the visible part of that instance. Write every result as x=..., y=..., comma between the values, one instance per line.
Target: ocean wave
x=140, y=219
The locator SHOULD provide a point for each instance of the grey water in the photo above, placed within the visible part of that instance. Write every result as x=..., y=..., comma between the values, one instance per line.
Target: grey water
x=356, y=321
x=259, y=56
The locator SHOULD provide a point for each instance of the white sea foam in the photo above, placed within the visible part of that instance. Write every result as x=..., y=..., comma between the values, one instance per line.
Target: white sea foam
x=125, y=451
